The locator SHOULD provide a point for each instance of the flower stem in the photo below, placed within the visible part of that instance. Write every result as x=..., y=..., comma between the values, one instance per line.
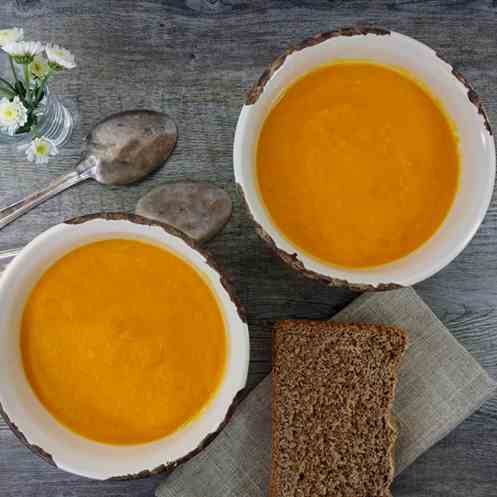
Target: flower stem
x=13, y=67
x=42, y=85
x=27, y=78
x=6, y=83
x=41, y=89
x=6, y=92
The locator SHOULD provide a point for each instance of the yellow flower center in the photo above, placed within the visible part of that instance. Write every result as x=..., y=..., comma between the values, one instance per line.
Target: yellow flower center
x=41, y=149
x=9, y=113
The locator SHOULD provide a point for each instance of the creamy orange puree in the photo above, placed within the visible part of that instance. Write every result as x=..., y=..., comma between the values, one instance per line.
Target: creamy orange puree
x=357, y=164
x=123, y=342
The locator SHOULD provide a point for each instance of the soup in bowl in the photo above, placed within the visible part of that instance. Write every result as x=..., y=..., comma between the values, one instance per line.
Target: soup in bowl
x=124, y=348
x=364, y=159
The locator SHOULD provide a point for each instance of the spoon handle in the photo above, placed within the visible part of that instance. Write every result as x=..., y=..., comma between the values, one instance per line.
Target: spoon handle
x=17, y=209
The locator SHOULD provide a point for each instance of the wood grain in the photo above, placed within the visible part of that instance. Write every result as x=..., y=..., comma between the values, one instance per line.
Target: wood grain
x=195, y=59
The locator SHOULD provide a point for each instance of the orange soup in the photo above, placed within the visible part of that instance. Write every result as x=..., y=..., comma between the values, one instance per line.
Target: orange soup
x=357, y=164
x=123, y=342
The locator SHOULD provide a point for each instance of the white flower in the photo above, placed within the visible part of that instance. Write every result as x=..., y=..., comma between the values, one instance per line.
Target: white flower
x=39, y=66
x=10, y=35
x=13, y=115
x=39, y=150
x=60, y=57
x=23, y=52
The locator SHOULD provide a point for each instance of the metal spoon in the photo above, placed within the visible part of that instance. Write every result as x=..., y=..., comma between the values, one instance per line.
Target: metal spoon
x=121, y=149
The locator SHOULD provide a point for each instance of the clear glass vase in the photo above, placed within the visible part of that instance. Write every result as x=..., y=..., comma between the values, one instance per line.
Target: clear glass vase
x=54, y=122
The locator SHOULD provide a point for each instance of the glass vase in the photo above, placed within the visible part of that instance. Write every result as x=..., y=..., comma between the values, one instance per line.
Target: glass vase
x=54, y=122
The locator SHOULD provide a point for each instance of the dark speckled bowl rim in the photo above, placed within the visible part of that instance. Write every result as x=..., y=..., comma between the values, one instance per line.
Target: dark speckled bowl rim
x=225, y=282
x=256, y=91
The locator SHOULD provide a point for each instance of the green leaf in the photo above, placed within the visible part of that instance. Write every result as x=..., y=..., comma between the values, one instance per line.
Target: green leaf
x=5, y=93
x=23, y=129
x=20, y=89
x=40, y=93
x=54, y=66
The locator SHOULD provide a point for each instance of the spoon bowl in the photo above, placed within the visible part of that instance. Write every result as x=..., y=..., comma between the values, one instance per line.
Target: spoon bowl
x=129, y=146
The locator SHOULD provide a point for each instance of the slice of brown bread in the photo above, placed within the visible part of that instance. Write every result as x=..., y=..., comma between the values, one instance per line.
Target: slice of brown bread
x=333, y=388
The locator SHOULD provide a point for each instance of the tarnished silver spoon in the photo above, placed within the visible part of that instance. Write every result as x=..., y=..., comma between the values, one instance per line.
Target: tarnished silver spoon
x=121, y=149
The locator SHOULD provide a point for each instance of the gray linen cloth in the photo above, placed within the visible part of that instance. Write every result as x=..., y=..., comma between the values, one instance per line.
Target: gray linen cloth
x=440, y=384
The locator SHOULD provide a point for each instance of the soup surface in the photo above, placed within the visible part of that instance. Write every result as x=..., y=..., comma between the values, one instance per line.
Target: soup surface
x=123, y=342
x=357, y=164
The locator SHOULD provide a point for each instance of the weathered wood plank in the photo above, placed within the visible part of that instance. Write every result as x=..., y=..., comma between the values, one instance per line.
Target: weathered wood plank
x=195, y=59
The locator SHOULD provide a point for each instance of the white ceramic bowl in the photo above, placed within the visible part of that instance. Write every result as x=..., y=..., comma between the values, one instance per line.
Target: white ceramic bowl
x=29, y=418
x=459, y=99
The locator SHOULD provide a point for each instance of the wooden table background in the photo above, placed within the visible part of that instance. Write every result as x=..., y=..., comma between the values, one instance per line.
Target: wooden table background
x=195, y=59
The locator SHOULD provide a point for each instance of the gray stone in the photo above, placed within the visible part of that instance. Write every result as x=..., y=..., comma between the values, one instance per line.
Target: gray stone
x=196, y=208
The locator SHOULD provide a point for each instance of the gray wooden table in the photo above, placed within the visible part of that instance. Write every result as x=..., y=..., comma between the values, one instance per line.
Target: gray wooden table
x=195, y=59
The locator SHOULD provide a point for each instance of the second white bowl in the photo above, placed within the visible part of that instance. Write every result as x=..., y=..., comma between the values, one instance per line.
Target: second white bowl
x=459, y=99
x=31, y=421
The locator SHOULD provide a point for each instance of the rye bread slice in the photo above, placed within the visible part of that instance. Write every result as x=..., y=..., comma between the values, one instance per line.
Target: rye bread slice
x=333, y=389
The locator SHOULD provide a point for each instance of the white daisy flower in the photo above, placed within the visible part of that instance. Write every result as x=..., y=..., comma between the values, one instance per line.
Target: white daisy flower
x=40, y=150
x=59, y=57
x=13, y=115
x=39, y=66
x=23, y=52
x=10, y=35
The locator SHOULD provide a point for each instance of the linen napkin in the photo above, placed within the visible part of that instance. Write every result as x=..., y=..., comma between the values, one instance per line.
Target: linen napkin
x=440, y=384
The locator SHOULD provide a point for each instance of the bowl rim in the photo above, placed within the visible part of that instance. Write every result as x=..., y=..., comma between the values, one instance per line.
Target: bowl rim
x=226, y=284
x=293, y=259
